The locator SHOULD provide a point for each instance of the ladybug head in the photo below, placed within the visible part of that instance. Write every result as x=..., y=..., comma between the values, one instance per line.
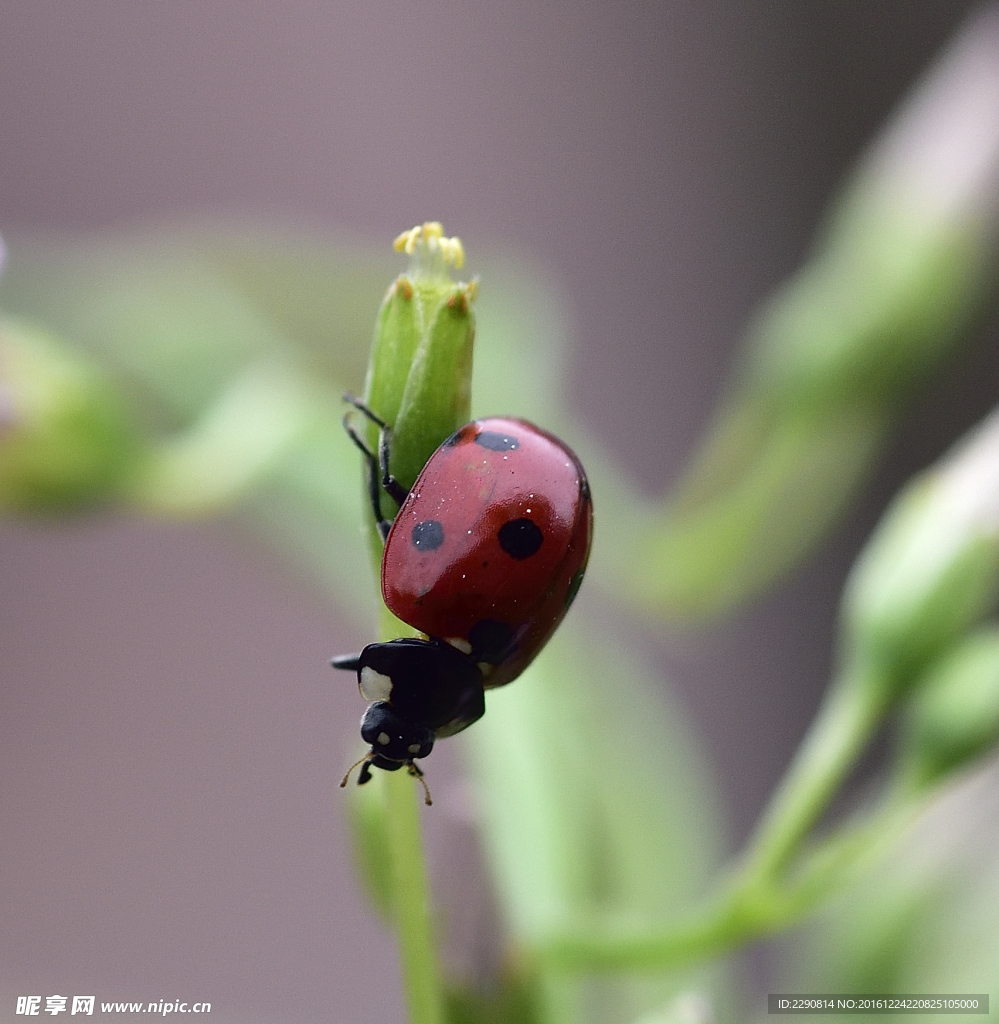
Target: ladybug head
x=393, y=739
x=395, y=742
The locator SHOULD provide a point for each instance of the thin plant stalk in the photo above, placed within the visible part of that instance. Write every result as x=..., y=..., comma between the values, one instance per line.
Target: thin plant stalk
x=761, y=896
x=411, y=888
x=743, y=910
x=851, y=712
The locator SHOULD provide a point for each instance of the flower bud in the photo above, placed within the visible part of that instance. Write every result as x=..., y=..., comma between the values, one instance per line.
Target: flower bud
x=420, y=371
x=932, y=568
x=954, y=716
x=902, y=261
x=65, y=440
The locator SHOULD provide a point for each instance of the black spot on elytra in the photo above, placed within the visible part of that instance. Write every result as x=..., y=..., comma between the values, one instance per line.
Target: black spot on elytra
x=491, y=640
x=574, y=585
x=520, y=538
x=428, y=535
x=496, y=442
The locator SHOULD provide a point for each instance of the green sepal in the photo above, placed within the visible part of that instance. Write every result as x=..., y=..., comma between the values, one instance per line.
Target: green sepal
x=398, y=331
x=437, y=399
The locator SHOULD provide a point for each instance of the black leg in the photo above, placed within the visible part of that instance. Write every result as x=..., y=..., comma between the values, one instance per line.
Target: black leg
x=347, y=662
x=395, y=489
x=364, y=775
x=389, y=482
x=374, y=491
x=378, y=466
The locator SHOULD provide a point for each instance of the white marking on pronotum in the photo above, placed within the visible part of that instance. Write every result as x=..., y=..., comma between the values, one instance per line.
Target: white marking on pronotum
x=462, y=645
x=413, y=748
x=384, y=739
x=373, y=685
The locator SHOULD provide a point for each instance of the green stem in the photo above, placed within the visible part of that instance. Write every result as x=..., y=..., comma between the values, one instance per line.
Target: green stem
x=742, y=911
x=421, y=976
x=761, y=898
x=826, y=866
x=411, y=889
x=701, y=936
x=849, y=715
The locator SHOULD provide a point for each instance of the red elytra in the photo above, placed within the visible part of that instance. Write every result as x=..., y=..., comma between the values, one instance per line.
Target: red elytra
x=489, y=548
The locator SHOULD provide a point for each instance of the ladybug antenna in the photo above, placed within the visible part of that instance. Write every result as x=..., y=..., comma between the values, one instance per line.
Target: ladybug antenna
x=418, y=775
x=367, y=757
x=365, y=775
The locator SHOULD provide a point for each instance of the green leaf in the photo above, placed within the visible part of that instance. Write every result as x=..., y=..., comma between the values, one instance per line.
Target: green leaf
x=597, y=807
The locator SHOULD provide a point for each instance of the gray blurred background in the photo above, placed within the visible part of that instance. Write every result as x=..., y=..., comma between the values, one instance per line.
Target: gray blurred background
x=665, y=163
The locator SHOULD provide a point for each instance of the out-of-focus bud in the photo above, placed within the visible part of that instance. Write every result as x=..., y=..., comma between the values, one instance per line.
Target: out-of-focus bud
x=902, y=259
x=931, y=570
x=954, y=716
x=65, y=440
x=906, y=258
x=420, y=371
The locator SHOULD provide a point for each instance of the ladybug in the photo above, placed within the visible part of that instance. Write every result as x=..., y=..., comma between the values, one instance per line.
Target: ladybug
x=484, y=558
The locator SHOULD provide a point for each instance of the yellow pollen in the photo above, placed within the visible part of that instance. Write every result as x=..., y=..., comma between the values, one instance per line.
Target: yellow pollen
x=406, y=242
x=431, y=236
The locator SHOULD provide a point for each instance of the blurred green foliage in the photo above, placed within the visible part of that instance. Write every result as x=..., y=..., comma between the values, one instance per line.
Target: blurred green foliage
x=187, y=373
x=624, y=829
x=66, y=440
x=615, y=836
